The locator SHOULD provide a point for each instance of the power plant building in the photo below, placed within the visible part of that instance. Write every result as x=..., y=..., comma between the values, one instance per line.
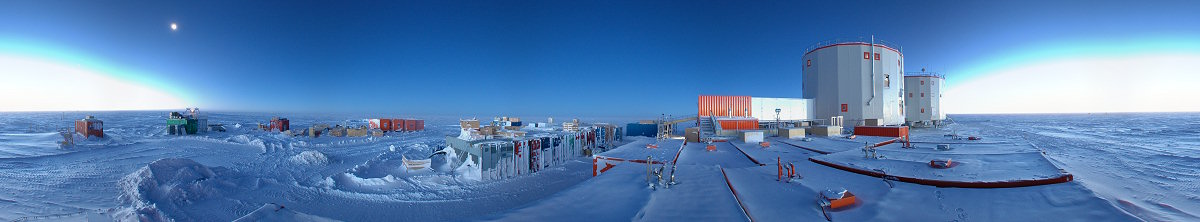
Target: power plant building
x=860, y=81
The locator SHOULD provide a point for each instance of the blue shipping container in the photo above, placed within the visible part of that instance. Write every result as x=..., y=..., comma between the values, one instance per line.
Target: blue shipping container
x=637, y=129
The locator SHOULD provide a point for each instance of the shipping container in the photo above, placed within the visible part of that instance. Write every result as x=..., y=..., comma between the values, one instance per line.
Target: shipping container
x=724, y=106
x=385, y=125
x=280, y=124
x=640, y=129
x=399, y=125
x=89, y=127
x=738, y=124
x=469, y=123
x=888, y=131
x=790, y=109
x=414, y=125
x=374, y=123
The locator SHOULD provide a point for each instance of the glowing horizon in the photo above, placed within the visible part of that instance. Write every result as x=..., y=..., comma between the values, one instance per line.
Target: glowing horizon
x=1137, y=82
x=42, y=85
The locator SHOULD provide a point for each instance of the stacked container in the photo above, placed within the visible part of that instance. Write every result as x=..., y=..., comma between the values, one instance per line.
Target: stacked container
x=399, y=125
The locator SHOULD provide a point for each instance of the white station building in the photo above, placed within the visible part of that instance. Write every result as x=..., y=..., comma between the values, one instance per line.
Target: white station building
x=923, y=93
x=860, y=81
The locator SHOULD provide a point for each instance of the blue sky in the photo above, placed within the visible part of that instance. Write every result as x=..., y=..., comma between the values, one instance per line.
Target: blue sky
x=550, y=57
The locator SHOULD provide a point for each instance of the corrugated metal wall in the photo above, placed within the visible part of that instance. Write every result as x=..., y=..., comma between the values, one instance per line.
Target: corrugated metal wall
x=738, y=124
x=790, y=108
x=724, y=105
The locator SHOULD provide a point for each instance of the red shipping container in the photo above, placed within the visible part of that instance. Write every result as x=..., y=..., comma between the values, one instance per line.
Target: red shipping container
x=414, y=125
x=280, y=124
x=739, y=124
x=888, y=131
x=736, y=106
x=385, y=124
x=90, y=127
x=399, y=125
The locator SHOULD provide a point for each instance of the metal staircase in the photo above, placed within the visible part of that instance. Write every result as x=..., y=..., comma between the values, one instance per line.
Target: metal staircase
x=708, y=126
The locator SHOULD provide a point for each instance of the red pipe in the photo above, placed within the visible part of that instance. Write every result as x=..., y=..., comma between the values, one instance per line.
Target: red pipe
x=1066, y=177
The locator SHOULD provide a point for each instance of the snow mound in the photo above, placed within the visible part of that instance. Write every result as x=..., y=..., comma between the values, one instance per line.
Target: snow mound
x=167, y=186
x=310, y=157
x=274, y=212
x=265, y=146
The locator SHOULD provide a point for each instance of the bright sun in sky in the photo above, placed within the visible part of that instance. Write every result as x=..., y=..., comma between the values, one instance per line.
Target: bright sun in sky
x=174, y=27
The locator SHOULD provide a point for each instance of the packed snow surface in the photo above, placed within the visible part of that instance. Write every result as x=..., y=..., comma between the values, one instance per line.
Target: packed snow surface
x=1126, y=167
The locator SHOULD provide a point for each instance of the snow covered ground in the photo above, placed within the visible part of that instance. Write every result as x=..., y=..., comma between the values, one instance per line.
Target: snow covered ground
x=1126, y=167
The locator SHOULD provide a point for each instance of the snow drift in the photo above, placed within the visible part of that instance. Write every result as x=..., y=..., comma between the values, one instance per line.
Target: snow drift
x=310, y=157
x=166, y=187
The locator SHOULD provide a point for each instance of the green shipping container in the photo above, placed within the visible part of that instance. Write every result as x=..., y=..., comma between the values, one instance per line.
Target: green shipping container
x=192, y=126
x=176, y=122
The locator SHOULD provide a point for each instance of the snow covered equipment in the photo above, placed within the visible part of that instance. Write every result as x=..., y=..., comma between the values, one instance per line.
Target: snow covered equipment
x=415, y=164
x=942, y=164
x=711, y=147
x=68, y=139
x=837, y=198
x=943, y=147
x=869, y=151
x=765, y=144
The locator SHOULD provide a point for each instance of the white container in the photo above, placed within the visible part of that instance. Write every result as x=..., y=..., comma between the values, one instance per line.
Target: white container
x=752, y=136
x=789, y=109
x=791, y=133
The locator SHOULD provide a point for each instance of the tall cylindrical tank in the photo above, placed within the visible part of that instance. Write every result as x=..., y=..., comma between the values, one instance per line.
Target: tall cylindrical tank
x=923, y=95
x=856, y=80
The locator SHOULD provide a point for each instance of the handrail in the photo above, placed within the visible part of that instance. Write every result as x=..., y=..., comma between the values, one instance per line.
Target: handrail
x=933, y=74
x=716, y=125
x=861, y=39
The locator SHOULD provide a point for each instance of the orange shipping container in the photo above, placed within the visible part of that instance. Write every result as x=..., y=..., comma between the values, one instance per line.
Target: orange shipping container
x=888, y=131
x=736, y=106
x=739, y=124
x=89, y=127
x=385, y=125
x=399, y=125
x=414, y=124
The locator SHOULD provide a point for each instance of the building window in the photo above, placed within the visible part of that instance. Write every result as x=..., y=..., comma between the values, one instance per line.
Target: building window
x=922, y=94
x=922, y=110
x=909, y=95
x=887, y=81
x=866, y=55
x=876, y=56
x=808, y=63
x=922, y=82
